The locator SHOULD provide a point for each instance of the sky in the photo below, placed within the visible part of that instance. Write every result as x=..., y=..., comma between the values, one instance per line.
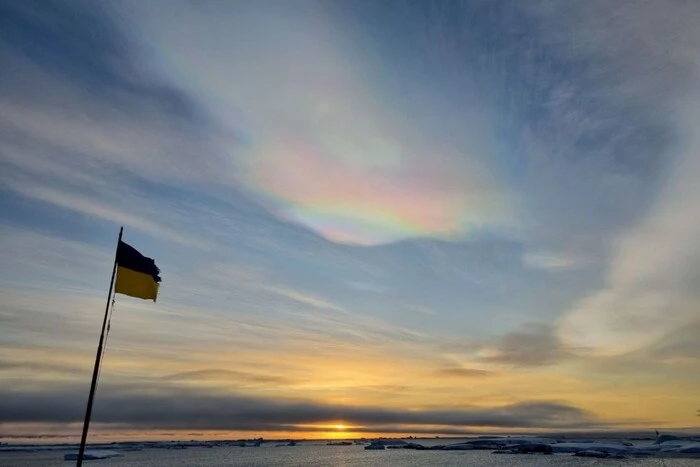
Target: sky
x=371, y=217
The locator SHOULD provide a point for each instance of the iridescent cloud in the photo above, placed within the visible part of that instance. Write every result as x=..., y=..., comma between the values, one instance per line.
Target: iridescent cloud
x=321, y=139
x=369, y=203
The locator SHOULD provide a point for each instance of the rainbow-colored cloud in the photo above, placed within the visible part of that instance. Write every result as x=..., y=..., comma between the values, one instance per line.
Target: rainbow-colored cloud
x=371, y=200
x=320, y=138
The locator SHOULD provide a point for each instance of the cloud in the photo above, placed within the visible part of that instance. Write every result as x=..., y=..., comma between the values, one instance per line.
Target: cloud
x=41, y=256
x=117, y=124
x=553, y=261
x=324, y=149
x=228, y=376
x=107, y=210
x=45, y=368
x=222, y=301
x=306, y=299
x=463, y=372
x=534, y=346
x=679, y=347
x=114, y=148
x=650, y=288
x=168, y=408
x=362, y=205
x=602, y=117
x=670, y=364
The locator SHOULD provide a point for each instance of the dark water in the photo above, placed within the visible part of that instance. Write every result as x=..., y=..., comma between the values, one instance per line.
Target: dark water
x=321, y=455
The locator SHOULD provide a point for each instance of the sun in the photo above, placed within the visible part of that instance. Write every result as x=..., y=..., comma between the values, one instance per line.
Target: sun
x=339, y=427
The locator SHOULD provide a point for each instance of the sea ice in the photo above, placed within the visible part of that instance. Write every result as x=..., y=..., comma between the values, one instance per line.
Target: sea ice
x=92, y=455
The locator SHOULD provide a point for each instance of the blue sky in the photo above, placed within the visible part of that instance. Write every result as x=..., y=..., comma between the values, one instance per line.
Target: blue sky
x=424, y=205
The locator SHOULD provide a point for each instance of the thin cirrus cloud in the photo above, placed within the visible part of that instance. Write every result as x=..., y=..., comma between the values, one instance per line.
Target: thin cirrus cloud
x=649, y=290
x=463, y=372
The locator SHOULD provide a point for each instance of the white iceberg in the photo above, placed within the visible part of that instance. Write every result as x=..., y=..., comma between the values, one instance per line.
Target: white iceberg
x=600, y=447
x=670, y=445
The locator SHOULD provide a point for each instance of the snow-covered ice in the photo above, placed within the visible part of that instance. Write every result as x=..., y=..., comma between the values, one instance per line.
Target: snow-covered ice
x=92, y=455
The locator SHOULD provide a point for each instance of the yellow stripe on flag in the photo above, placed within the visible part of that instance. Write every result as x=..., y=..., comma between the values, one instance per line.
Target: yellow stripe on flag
x=136, y=284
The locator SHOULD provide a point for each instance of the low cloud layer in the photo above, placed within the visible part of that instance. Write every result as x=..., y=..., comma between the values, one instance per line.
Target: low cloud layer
x=170, y=408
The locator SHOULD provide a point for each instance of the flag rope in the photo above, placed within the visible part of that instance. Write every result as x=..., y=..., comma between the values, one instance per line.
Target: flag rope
x=104, y=348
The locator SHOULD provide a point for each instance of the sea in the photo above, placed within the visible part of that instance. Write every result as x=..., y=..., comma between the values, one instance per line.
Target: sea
x=311, y=455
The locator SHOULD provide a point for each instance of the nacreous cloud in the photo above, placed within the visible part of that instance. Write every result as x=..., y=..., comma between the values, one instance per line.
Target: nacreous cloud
x=319, y=140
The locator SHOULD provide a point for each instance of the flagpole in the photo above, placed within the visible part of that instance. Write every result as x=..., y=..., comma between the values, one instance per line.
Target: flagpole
x=96, y=369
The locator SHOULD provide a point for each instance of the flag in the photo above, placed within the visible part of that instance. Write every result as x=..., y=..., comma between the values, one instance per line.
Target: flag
x=137, y=276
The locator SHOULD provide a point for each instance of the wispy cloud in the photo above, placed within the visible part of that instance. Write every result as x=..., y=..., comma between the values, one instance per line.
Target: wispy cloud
x=229, y=377
x=105, y=210
x=553, y=261
x=531, y=347
x=649, y=287
x=463, y=372
x=649, y=290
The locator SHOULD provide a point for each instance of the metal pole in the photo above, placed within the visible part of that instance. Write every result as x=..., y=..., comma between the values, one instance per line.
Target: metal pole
x=96, y=369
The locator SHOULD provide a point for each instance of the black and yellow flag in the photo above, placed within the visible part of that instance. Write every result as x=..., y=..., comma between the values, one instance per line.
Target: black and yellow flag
x=137, y=276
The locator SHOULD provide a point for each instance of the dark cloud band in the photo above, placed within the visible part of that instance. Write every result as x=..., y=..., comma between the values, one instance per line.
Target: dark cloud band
x=180, y=409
